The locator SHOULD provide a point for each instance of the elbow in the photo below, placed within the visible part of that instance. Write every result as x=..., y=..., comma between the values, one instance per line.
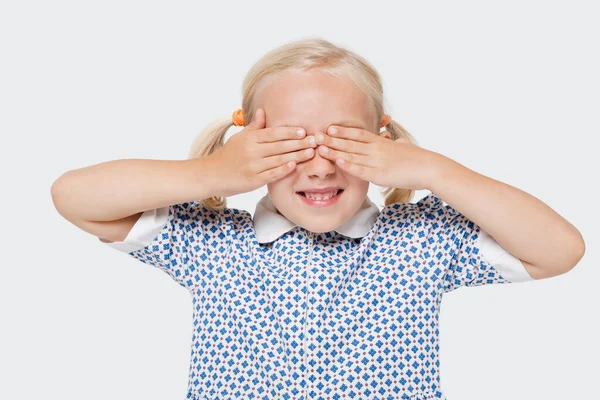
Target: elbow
x=55, y=188
x=57, y=193
x=575, y=250
x=54, y=192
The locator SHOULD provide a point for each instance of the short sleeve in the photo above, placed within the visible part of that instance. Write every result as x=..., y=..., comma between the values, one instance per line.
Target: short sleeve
x=181, y=240
x=467, y=255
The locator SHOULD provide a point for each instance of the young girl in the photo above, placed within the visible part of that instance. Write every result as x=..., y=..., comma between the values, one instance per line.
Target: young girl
x=320, y=294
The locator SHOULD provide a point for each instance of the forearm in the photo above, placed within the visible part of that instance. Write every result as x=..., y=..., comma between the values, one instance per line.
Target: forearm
x=523, y=225
x=116, y=189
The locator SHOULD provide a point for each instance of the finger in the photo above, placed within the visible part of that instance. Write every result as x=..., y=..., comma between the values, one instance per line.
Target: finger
x=277, y=133
x=360, y=171
x=356, y=134
x=280, y=159
x=259, y=120
x=286, y=146
x=334, y=155
x=345, y=145
x=278, y=172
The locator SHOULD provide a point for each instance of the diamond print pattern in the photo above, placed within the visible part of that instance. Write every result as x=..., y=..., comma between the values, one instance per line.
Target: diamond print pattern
x=318, y=315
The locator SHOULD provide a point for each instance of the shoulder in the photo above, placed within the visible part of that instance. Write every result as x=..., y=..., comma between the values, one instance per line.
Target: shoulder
x=195, y=212
x=215, y=227
x=232, y=215
x=237, y=220
x=195, y=216
x=423, y=211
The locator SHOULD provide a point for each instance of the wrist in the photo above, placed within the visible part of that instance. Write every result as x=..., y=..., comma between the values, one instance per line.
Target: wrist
x=203, y=179
x=436, y=164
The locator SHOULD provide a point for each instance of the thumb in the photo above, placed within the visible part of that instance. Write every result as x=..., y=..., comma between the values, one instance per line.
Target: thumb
x=258, y=122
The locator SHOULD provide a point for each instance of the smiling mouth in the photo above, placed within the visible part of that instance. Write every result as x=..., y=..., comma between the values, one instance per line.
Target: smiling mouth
x=337, y=194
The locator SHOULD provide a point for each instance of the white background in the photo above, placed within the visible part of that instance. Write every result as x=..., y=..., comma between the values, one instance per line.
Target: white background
x=509, y=89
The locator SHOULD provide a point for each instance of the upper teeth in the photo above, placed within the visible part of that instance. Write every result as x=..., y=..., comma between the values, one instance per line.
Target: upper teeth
x=321, y=196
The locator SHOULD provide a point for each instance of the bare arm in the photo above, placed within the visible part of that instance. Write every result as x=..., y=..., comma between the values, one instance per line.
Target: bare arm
x=546, y=243
x=107, y=199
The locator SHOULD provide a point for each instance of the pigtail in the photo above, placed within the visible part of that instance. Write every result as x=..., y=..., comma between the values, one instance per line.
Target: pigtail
x=208, y=141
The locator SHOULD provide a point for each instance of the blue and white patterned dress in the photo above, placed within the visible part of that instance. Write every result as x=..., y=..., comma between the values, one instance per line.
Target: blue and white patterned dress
x=285, y=313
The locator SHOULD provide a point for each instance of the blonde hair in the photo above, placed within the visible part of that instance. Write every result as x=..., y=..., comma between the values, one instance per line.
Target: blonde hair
x=298, y=56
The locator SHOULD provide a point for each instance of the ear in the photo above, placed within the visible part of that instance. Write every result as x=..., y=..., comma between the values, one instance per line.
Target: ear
x=386, y=134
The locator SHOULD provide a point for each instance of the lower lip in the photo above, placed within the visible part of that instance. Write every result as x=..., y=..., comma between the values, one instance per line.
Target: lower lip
x=320, y=203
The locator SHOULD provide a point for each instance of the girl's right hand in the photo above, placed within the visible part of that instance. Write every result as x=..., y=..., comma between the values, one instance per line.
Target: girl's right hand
x=257, y=155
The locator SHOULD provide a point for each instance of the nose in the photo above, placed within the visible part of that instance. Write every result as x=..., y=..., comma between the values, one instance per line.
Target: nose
x=318, y=165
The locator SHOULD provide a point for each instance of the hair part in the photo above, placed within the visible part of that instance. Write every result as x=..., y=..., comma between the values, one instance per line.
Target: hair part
x=296, y=57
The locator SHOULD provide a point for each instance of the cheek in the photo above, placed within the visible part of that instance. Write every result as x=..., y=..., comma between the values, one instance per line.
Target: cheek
x=356, y=181
x=283, y=185
x=358, y=186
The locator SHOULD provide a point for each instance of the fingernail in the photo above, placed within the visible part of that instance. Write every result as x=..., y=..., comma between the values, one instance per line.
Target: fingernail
x=311, y=140
x=300, y=132
x=324, y=149
x=333, y=131
x=320, y=137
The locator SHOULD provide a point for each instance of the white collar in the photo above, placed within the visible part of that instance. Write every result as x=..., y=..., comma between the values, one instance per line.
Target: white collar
x=269, y=224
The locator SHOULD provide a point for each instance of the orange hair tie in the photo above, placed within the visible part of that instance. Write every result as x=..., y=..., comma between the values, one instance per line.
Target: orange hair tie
x=386, y=120
x=238, y=117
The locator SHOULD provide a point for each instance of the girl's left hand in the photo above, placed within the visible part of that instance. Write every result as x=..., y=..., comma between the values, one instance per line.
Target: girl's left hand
x=378, y=159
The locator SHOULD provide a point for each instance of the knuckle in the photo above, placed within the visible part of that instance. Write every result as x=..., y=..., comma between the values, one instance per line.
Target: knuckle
x=274, y=173
x=267, y=134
